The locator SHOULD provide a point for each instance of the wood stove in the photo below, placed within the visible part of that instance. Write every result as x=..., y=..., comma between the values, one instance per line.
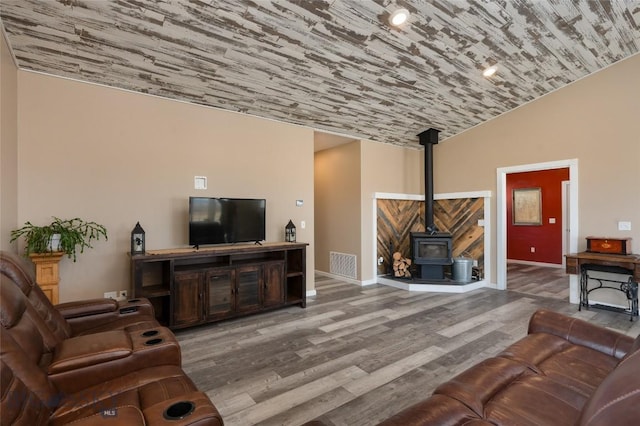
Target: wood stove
x=432, y=250
x=431, y=253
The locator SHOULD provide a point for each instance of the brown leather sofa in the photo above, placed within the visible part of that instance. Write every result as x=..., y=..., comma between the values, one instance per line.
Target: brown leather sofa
x=106, y=367
x=564, y=372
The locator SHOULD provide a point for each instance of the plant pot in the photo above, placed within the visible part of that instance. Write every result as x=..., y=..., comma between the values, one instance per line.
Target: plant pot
x=54, y=243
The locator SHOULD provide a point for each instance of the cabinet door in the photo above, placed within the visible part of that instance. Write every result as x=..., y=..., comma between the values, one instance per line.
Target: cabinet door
x=273, y=290
x=187, y=298
x=248, y=288
x=220, y=285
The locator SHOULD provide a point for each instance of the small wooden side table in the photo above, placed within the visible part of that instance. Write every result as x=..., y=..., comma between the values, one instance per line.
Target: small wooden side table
x=47, y=273
x=581, y=263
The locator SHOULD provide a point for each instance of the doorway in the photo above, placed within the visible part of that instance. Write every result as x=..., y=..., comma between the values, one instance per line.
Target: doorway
x=501, y=201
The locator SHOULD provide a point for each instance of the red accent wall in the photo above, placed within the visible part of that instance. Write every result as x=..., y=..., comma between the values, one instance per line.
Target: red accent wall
x=546, y=238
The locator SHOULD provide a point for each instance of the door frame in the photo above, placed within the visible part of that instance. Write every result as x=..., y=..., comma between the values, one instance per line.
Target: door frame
x=566, y=187
x=501, y=219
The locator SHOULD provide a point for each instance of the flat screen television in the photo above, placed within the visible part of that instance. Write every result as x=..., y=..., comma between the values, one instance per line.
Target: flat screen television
x=226, y=220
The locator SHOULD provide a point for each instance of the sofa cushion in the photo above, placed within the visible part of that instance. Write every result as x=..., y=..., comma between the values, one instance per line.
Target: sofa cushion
x=503, y=391
x=534, y=400
x=477, y=385
x=579, y=367
x=438, y=410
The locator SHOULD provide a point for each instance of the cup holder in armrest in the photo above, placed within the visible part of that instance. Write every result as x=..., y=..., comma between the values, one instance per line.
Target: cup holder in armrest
x=149, y=333
x=133, y=300
x=179, y=410
x=129, y=310
x=153, y=342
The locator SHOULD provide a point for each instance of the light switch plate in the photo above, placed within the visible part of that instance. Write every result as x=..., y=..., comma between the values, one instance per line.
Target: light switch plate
x=200, y=182
x=624, y=226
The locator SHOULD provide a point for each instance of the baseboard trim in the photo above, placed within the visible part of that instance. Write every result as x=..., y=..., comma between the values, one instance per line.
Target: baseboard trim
x=345, y=279
x=527, y=262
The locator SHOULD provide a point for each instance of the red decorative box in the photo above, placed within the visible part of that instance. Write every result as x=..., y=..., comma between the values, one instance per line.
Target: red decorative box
x=609, y=245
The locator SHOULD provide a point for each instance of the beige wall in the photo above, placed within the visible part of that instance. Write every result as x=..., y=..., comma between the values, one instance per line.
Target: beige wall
x=347, y=177
x=133, y=157
x=337, y=203
x=391, y=169
x=8, y=146
x=594, y=120
x=118, y=157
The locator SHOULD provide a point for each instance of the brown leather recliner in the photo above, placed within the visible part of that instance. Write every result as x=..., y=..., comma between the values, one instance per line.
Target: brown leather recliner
x=79, y=317
x=161, y=395
x=77, y=362
x=121, y=376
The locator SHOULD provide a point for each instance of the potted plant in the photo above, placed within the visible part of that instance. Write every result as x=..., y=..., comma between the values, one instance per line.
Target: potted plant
x=73, y=235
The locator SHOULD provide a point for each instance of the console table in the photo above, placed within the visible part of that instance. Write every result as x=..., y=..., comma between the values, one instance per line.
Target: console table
x=582, y=263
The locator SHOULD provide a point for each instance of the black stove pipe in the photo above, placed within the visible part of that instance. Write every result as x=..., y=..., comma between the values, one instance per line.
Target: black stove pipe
x=428, y=138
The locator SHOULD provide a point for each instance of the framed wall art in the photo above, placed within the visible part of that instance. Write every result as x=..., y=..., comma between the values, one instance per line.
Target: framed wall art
x=527, y=206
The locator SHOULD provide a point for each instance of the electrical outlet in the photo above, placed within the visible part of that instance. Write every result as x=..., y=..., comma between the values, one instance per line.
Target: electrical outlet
x=533, y=249
x=380, y=260
x=122, y=294
x=111, y=295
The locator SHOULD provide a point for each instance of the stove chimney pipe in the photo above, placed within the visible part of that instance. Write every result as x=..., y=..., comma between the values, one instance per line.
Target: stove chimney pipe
x=428, y=138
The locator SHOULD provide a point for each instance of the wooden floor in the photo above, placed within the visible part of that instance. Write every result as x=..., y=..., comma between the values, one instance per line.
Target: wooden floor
x=357, y=355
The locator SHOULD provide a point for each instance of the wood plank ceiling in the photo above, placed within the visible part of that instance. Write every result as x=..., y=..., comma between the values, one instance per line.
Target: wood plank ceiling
x=333, y=65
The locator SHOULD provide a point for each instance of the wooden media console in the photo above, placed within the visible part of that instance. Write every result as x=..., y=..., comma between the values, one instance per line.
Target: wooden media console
x=190, y=286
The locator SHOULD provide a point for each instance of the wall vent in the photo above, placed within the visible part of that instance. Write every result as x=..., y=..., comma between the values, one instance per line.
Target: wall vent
x=343, y=264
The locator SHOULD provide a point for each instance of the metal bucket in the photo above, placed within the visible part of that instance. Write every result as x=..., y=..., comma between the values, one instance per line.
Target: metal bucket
x=462, y=268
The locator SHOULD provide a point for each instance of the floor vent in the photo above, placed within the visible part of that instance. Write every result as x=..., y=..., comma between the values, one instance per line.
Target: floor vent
x=343, y=264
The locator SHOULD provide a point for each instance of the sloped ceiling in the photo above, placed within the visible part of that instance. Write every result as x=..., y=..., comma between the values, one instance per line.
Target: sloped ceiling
x=336, y=65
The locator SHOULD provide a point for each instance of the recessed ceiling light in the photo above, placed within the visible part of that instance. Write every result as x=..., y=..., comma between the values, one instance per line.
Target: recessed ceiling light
x=488, y=72
x=399, y=17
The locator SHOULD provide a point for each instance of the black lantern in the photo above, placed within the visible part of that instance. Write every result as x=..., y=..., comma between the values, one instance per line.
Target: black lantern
x=290, y=232
x=137, y=240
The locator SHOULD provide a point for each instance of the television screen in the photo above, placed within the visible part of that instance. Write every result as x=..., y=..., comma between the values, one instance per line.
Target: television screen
x=226, y=220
